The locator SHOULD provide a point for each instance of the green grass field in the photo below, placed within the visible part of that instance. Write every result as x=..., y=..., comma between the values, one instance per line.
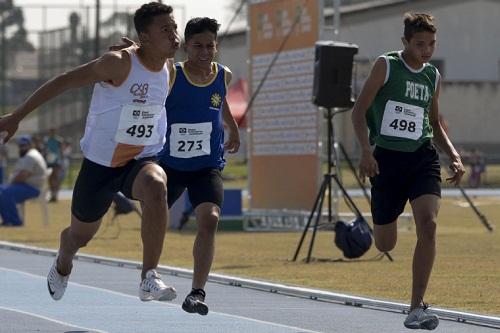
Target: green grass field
x=465, y=277
x=236, y=175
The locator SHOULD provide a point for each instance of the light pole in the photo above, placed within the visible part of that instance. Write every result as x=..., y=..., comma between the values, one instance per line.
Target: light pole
x=3, y=64
x=97, y=41
x=5, y=6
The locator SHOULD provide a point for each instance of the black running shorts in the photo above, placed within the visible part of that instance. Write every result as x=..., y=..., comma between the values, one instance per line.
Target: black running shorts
x=96, y=185
x=203, y=185
x=403, y=176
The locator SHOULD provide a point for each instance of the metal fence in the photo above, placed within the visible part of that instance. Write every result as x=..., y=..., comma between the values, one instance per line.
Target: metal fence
x=88, y=32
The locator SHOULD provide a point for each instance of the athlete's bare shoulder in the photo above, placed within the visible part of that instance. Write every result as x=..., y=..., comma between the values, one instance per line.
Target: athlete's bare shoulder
x=170, y=62
x=378, y=74
x=114, y=65
x=228, y=75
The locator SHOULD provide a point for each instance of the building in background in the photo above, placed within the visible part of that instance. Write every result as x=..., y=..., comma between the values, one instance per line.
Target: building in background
x=467, y=55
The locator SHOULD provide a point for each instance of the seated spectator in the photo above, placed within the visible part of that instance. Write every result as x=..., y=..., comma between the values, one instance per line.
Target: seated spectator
x=26, y=181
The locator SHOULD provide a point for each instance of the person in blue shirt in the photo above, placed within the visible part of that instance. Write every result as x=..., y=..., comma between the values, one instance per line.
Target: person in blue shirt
x=193, y=155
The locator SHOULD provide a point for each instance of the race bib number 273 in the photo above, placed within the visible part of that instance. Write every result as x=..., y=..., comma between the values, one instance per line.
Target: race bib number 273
x=190, y=140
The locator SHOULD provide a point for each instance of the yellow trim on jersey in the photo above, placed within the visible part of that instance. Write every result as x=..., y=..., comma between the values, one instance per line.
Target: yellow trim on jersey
x=214, y=64
x=227, y=79
x=173, y=75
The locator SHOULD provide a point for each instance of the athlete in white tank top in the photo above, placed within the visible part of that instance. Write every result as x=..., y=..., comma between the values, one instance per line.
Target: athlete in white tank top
x=127, y=121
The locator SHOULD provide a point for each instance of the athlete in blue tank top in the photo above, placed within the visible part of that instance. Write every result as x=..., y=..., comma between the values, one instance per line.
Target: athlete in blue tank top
x=195, y=135
x=193, y=156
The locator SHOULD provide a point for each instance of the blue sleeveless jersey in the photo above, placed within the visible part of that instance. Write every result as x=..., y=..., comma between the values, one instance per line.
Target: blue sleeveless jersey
x=195, y=132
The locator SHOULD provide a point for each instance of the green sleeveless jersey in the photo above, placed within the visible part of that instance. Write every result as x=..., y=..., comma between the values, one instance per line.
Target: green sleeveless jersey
x=398, y=118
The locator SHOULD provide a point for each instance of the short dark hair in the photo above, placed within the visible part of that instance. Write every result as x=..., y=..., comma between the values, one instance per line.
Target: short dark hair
x=418, y=22
x=198, y=25
x=144, y=15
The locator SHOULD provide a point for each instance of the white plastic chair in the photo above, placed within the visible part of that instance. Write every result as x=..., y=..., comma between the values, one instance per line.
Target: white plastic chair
x=41, y=199
x=44, y=206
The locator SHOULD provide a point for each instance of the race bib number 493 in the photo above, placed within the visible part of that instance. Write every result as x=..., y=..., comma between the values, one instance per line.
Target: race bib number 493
x=138, y=125
x=402, y=120
x=190, y=140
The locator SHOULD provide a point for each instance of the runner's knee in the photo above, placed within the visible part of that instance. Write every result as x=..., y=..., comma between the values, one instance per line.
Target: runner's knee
x=208, y=223
x=386, y=236
x=78, y=239
x=154, y=188
x=385, y=244
x=426, y=229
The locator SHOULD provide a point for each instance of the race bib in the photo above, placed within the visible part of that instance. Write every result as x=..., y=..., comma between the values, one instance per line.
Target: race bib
x=402, y=120
x=190, y=140
x=138, y=125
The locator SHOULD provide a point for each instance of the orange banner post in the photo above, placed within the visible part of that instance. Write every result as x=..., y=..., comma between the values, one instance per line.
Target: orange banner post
x=284, y=124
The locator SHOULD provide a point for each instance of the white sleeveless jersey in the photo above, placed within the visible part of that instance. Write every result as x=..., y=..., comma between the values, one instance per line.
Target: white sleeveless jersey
x=129, y=121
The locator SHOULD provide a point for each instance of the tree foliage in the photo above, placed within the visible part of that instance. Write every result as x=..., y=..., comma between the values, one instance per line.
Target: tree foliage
x=12, y=23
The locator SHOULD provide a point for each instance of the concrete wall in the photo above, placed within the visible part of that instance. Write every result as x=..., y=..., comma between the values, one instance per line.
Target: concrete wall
x=468, y=44
x=473, y=114
x=471, y=109
x=233, y=52
x=468, y=35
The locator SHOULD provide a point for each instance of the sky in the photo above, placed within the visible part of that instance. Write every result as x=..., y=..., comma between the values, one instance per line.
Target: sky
x=58, y=17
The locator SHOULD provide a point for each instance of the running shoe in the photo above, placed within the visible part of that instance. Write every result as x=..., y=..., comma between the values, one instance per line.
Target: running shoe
x=56, y=283
x=420, y=318
x=153, y=288
x=195, y=302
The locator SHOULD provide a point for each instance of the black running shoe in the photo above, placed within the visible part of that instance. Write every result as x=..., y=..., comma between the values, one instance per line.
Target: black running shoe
x=195, y=302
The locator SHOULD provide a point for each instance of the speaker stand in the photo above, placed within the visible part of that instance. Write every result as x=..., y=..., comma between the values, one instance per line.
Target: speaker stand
x=326, y=185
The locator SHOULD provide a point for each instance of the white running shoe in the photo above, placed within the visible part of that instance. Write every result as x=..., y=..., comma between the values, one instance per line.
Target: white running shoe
x=56, y=283
x=419, y=318
x=153, y=288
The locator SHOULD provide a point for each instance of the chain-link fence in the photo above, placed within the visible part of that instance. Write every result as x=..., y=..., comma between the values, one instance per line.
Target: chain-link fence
x=29, y=57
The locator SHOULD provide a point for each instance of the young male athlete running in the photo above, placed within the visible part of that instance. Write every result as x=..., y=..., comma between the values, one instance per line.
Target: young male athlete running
x=125, y=129
x=399, y=105
x=193, y=156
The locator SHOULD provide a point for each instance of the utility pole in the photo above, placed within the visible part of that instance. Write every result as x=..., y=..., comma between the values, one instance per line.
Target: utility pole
x=336, y=18
x=3, y=65
x=97, y=41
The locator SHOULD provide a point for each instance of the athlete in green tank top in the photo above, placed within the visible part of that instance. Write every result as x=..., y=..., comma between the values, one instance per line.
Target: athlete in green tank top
x=398, y=118
x=399, y=105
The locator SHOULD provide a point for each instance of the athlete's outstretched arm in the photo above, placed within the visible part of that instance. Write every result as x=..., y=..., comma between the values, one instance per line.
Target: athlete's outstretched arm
x=111, y=67
x=232, y=145
x=367, y=165
x=443, y=142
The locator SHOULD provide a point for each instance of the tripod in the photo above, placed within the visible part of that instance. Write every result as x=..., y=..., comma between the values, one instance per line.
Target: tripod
x=474, y=208
x=326, y=184
x=481, y=217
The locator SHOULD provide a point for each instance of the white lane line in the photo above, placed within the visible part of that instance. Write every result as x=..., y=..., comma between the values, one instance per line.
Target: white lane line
x=52, y=320
x=301, y=330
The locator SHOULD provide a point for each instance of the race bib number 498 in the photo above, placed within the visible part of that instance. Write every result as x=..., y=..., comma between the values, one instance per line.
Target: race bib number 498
x=190, y=140
x=138, y=125
x=402, y=120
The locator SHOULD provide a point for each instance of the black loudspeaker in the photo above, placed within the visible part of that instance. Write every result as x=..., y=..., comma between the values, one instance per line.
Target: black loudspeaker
x=333, y=74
